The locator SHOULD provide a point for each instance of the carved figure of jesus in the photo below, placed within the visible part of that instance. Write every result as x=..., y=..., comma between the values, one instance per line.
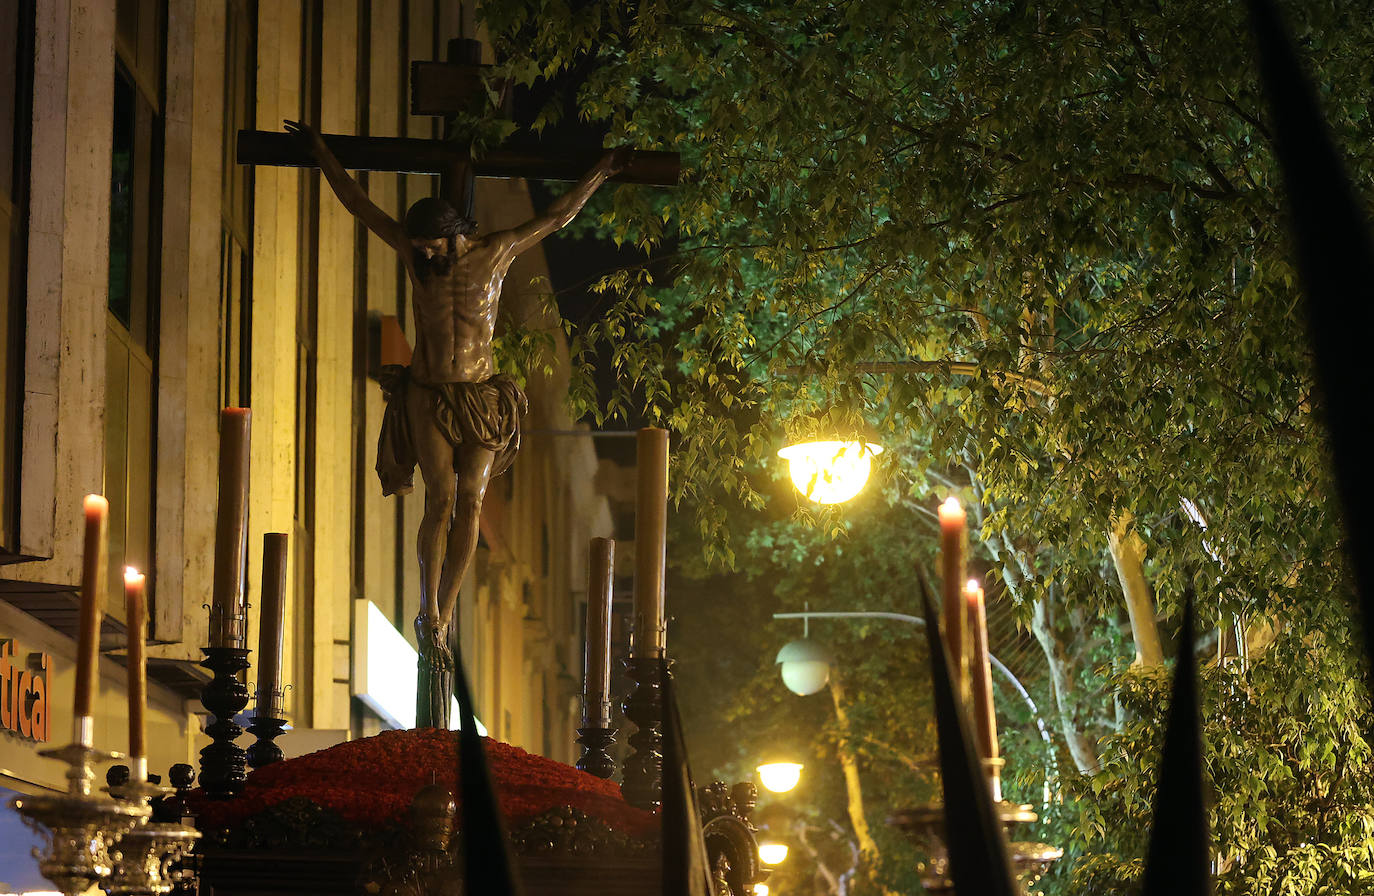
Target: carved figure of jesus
x=452, y=414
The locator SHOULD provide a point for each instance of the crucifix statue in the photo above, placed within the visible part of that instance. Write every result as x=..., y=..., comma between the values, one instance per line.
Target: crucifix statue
x=450, y=412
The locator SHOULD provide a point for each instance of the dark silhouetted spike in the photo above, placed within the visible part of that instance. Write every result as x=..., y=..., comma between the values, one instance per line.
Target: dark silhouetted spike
x=487, y=865
x=978, y=857
x=1336, y=262
x=1179, y=861
x=686, y=870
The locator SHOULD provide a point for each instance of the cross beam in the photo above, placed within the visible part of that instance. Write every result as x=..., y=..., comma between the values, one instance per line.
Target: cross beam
x=410, y=155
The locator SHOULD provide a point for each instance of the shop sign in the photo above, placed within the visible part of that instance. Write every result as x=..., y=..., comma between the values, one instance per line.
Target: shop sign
x=24, y=693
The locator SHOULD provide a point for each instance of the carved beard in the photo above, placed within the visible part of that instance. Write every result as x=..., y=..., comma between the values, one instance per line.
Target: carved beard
x=438, y=266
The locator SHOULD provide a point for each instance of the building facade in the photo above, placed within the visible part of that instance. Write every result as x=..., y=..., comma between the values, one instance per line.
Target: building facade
x=148, y=280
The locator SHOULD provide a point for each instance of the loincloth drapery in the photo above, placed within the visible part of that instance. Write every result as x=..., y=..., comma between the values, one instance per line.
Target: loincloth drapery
x=485, y=414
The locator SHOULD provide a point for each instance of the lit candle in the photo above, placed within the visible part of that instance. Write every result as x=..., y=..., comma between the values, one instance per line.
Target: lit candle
x=94, y=575
x=984, y=717
x=271, y=622
x=953, y=520
x=596, y=712
x=651, y=542
x=136, y=611
x=227, y=613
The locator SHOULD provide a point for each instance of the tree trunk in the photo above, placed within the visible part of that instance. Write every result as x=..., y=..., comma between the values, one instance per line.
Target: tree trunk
x=868, y=848
x=853, y=789
x=1128, y=552
x=831, y=880
x=1081, y=747
x=1015, y=570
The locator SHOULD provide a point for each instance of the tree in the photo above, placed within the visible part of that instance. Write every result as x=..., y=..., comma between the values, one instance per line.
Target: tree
x=1040, y=250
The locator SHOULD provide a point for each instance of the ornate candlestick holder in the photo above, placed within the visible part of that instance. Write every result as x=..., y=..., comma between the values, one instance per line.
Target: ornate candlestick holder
x=269, y=721
x=80, y=827
x=643, y=784
x=223, y=764
x=595, y=759
x=146, y=857
x=925, y=826
x=264, y=750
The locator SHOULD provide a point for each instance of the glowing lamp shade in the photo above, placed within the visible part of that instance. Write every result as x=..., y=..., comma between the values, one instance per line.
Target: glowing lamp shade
x=830, y=472
x=772, y=853
x=805, y=666
x=780, y=777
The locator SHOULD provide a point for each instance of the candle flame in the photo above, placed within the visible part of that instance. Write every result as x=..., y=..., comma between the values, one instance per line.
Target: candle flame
x=132, y=576
x=951, y=504
x=97, y=502
x=972, y=585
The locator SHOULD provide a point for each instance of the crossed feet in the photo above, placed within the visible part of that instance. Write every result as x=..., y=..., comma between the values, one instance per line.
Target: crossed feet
x=433, y=641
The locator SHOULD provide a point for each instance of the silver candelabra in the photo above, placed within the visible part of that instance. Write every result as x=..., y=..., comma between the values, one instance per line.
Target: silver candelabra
x=95, y=840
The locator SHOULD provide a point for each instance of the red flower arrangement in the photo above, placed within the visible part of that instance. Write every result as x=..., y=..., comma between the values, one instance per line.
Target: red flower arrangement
x=372, y=781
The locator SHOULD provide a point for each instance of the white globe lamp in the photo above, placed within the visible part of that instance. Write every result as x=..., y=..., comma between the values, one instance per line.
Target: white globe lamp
x=805, y=666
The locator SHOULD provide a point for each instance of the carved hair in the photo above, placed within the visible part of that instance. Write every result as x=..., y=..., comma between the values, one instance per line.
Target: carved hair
x=432, y=219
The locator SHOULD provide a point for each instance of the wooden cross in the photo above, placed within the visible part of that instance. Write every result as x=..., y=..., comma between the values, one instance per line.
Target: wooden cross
x=446, y=88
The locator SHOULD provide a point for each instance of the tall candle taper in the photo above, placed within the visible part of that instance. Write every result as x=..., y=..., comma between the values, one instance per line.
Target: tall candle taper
x=651, y=542
x=136, y=611
x=94, y=576
x=596, y=733
x=980, y=668
x=600, y=582
x=271, y=622
x=227, y=611
x=953, y=520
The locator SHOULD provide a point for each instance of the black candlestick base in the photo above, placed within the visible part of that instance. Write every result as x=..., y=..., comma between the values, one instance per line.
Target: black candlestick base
x=223, y=766
x=643, y=785
x=595, y=760
x=264, y=750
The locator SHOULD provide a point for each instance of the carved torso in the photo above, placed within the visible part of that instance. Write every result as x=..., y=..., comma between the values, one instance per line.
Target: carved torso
x=455, y=312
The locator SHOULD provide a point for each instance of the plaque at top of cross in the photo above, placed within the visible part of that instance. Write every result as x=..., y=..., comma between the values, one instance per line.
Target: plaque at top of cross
x=449, y=411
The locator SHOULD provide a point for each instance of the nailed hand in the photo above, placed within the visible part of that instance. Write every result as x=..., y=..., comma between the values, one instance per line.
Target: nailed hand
x=304, y=132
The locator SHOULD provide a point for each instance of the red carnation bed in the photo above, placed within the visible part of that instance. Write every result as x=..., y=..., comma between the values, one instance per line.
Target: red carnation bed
x=372, y=781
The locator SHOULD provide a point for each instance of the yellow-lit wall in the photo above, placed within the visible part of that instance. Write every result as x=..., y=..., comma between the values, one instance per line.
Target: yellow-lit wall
x=518, y=611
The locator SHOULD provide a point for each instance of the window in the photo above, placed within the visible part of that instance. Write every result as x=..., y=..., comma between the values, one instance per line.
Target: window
x=16, y=93
x=135, y=245
x=236, y=247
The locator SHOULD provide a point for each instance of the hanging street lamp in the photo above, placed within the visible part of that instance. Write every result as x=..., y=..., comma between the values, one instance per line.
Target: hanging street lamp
x=805, y=666
x=780, y=777
x=772, y=853
x=830, y=471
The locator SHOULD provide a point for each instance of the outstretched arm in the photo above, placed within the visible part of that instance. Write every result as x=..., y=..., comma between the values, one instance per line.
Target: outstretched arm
x=565, y=207
x=348, y=191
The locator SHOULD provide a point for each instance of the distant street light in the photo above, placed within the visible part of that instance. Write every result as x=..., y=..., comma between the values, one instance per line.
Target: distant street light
x=805, y=666
x=831, y=471
x=806, y=669
x=780, y=777
x=772, y=853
